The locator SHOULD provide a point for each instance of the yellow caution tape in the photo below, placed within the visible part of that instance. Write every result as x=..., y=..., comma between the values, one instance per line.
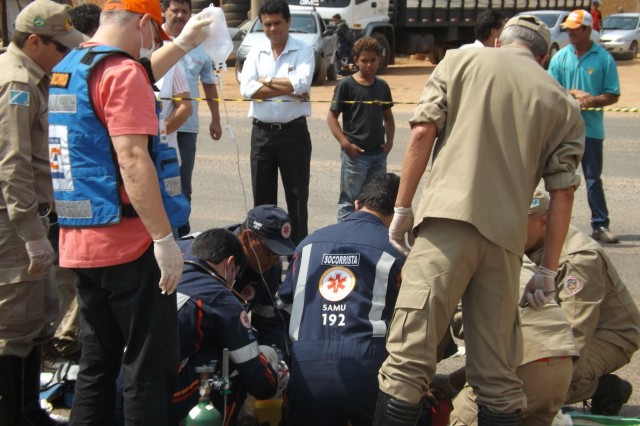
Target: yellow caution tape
x=618, y=109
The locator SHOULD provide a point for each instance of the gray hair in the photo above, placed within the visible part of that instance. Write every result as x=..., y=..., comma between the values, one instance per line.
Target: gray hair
x=116, y=17
x=534, y=41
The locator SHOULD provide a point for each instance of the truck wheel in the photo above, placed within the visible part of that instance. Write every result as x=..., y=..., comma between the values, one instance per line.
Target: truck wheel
x=198, y=5
x=235, y=8
x=332, y=72
x=238, y=69
x=633, y=51
x=386, y=51
x=321, y=76
x=436, y=54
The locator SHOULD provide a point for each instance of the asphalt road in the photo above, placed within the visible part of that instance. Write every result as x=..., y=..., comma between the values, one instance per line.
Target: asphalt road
x=222, y=189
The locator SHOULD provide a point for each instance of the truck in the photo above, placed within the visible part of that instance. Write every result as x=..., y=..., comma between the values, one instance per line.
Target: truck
x=429, y=27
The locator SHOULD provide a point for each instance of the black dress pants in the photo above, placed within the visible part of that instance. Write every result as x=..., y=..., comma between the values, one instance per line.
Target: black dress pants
x=288, y=149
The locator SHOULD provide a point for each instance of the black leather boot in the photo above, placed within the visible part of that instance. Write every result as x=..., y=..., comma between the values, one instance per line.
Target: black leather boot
x=393, y=412
x=612, y=393
x=487, y=417
x=32, y=413
x=10, y=396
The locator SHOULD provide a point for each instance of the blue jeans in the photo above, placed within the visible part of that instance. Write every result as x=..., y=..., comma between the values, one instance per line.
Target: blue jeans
x=354, y=174
x=344, y=49
x=592, y=168
x=187, y=147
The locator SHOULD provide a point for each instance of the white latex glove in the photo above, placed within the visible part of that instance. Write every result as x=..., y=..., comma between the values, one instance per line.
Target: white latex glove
x=401, y=225
x=540, y=289
x=169, y=258
x=193, y=33
x=40, y=255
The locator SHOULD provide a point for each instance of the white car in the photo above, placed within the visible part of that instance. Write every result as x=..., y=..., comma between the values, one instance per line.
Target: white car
x=308, y=26
x=237, y=34
x=559, y=36
x=621, y=34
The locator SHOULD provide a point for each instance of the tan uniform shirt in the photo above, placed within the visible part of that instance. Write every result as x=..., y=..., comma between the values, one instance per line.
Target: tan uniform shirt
x=492, y=148
x=546, y=333
x=25, y=176
x=594, y=298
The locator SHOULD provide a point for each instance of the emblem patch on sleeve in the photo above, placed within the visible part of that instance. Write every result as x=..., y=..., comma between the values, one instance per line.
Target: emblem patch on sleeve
x=336, y=283
x=19, y=97
x=248, y=293
x=572, y=285
x=245, y=320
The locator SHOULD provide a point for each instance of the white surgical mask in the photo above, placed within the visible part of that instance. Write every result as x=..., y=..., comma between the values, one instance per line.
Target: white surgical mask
x=144, y=52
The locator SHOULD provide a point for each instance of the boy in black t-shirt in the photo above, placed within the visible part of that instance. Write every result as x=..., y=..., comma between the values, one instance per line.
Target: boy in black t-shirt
x=367, y=131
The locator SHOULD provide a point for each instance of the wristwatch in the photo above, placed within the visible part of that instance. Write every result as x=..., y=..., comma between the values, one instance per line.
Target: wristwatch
x=267, y=81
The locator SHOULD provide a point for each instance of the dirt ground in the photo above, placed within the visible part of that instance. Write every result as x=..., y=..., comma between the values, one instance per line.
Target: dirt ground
x=408, y=76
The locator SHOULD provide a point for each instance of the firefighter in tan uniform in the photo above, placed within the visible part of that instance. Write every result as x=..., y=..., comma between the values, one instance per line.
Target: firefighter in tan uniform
x=28, y=303
x=547, y=362
x=602, y=313
x=471, y=223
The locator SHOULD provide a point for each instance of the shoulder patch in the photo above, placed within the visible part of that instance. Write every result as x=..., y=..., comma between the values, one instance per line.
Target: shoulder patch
x=572, y=285
x=248, y=293
x=19, y=97
x=60, y=79
x=244, y=319
x=336, y=283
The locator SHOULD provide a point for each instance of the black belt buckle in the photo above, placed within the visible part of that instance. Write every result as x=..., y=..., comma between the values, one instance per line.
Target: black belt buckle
x=276, y=126
x=44, y=210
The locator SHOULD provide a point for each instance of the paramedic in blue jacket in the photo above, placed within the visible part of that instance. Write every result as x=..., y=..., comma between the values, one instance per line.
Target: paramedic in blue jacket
x=340, y=290
x=265, y=236
x=212, y=316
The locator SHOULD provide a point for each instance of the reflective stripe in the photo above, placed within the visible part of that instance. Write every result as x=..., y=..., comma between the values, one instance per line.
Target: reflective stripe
x=245, y=353
x=181, y=299
x=298, y=295
x=74, y=209
x=379, y=295
x=63, y=103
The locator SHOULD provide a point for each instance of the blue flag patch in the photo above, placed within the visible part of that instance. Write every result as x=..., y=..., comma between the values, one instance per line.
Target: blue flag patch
x=19, y=97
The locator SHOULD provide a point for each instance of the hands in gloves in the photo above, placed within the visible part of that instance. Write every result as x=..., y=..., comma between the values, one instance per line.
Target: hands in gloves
x=540, y=289
x=401, y=225
x=169, y=258
x=40, y=255
x=193, y=33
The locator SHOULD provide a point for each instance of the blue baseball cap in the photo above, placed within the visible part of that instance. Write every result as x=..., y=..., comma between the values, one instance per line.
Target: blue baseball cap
x=274, y=227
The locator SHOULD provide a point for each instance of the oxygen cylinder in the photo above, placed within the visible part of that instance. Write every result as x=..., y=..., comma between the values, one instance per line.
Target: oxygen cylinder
x=204, y=414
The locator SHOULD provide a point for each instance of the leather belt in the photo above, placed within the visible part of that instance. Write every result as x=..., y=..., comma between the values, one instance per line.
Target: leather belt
x=279, y=126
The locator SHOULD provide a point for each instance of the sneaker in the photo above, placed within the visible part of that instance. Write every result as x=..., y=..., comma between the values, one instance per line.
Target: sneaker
x=603, y=235
x=612, y=393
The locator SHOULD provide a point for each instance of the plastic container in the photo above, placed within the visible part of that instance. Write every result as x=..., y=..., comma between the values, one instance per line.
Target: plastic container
x=217, y=44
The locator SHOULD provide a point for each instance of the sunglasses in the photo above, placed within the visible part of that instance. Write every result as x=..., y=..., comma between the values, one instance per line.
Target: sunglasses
x=59, y=46
x=267, y=251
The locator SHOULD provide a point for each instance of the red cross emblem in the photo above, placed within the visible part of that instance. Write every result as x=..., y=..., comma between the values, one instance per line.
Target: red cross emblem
x=336, y=283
